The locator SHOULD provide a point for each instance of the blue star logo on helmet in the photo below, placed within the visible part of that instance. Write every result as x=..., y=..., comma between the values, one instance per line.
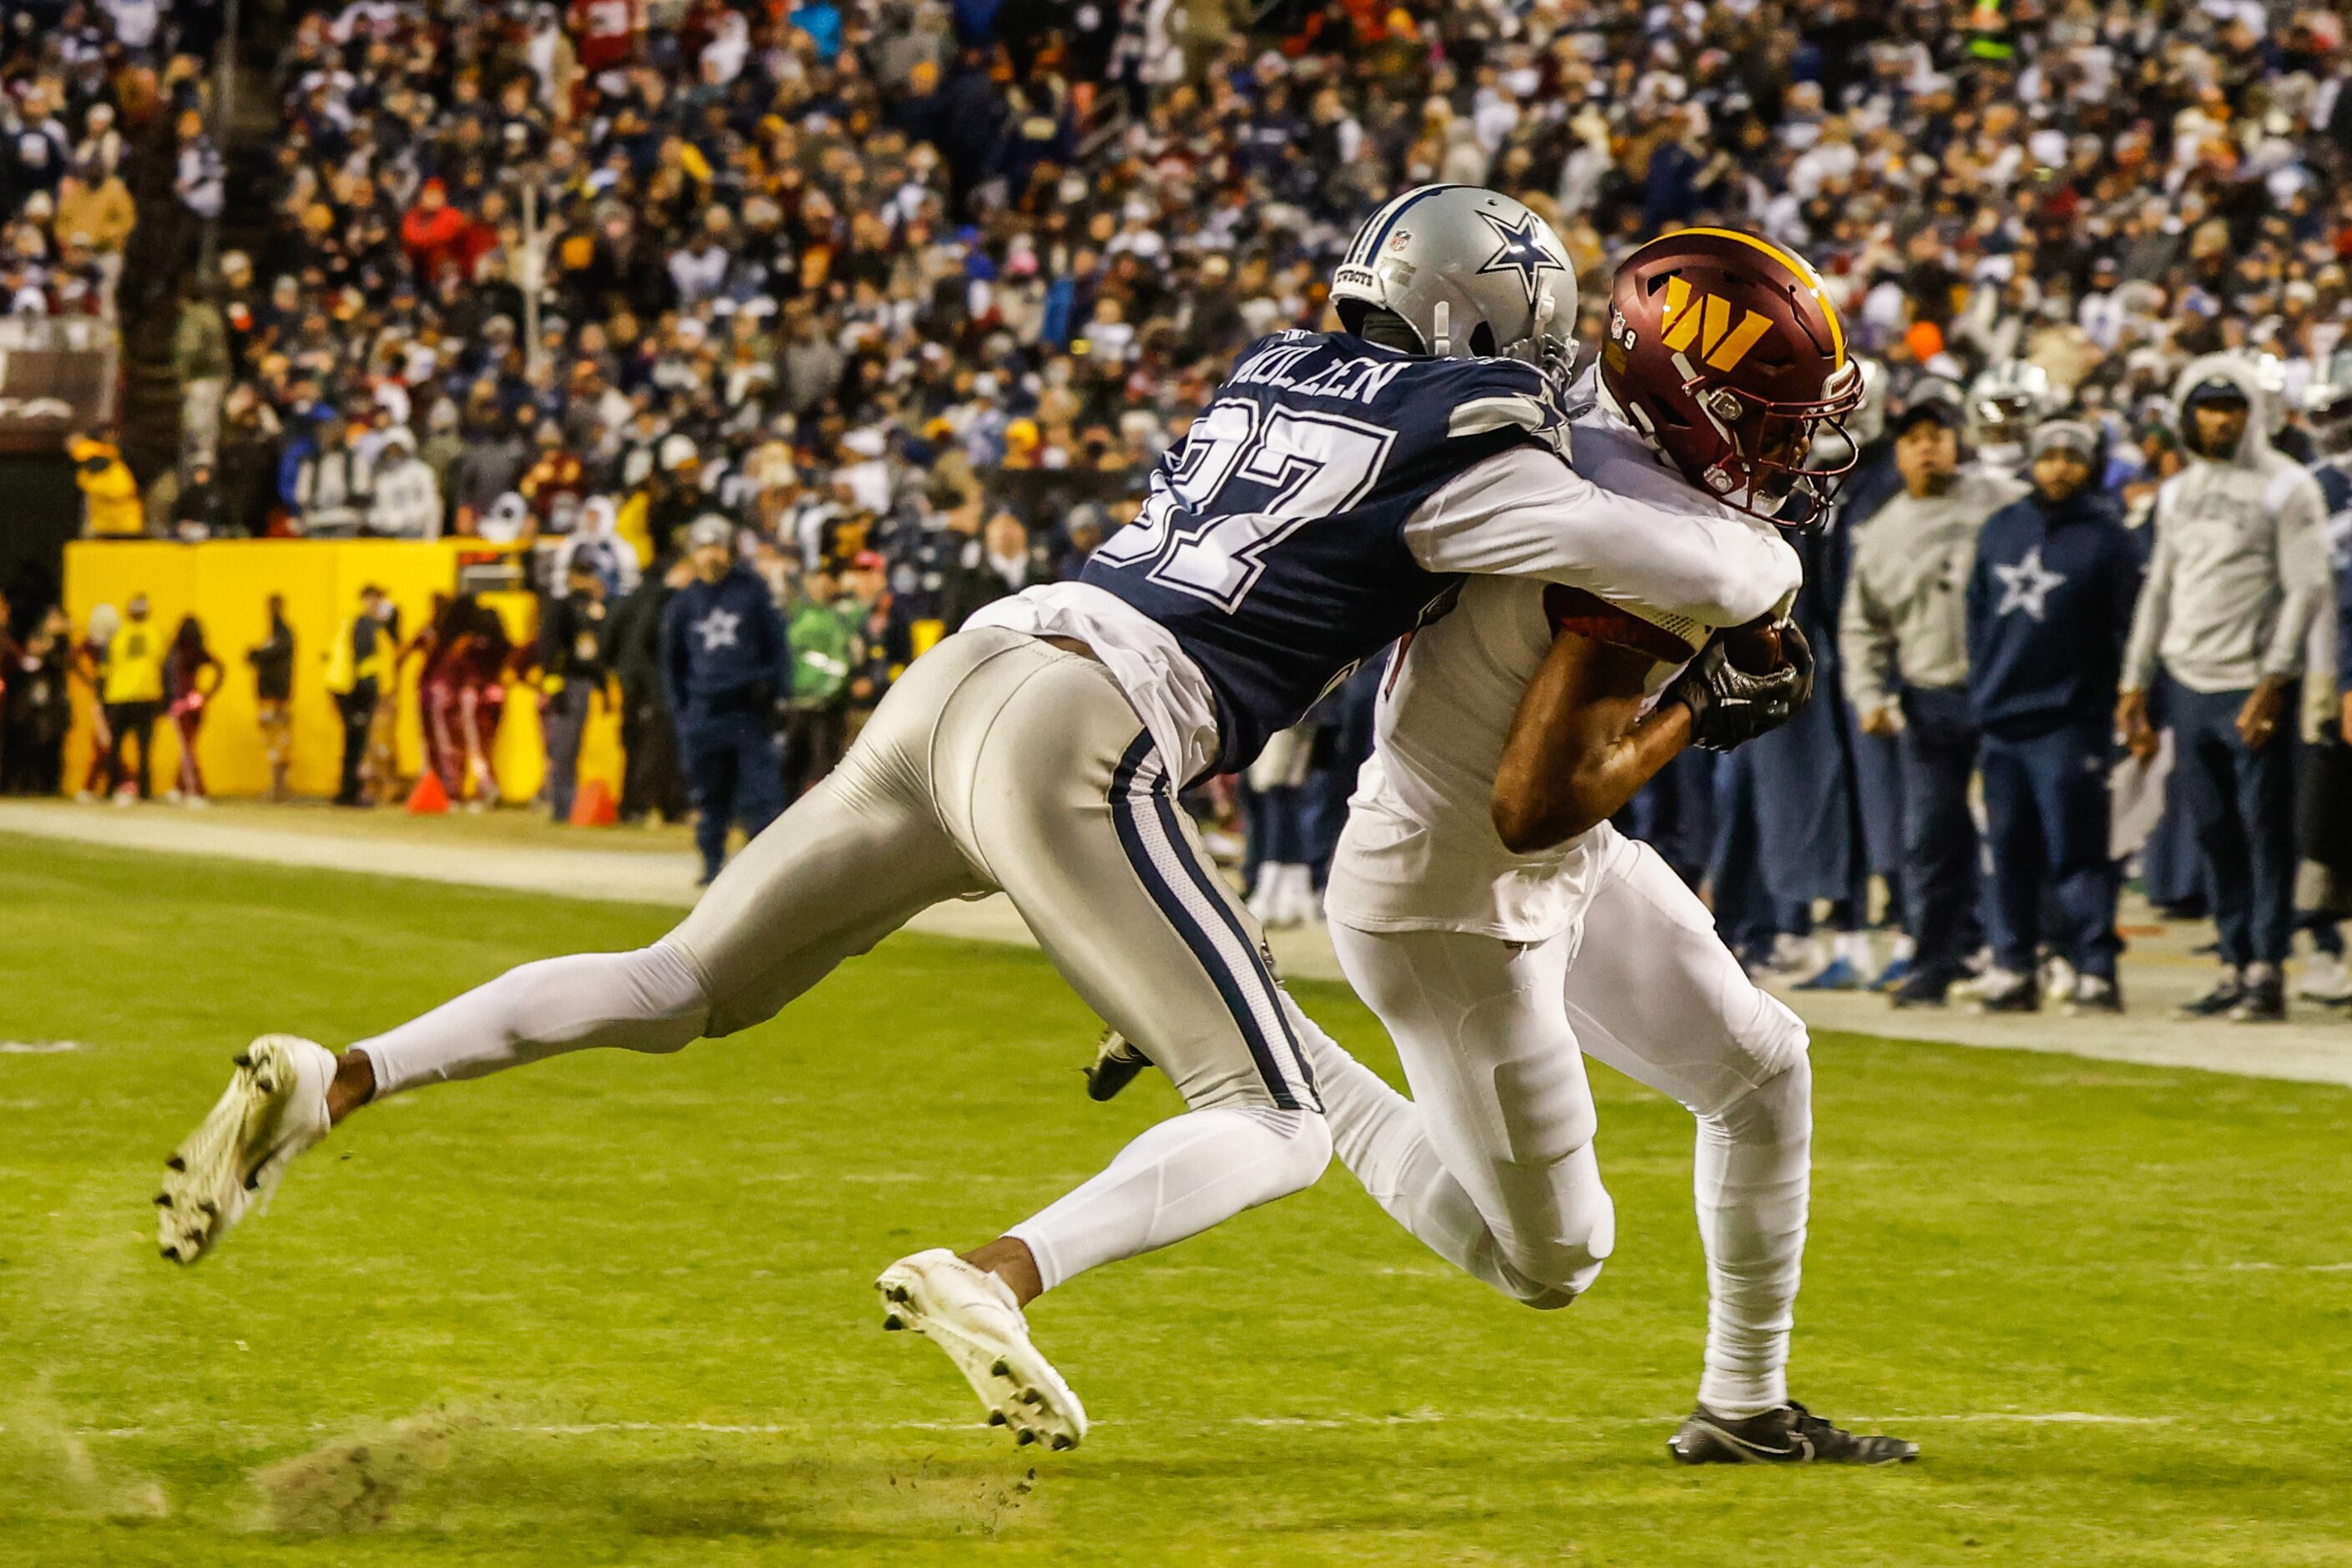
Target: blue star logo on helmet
x=1522, y=251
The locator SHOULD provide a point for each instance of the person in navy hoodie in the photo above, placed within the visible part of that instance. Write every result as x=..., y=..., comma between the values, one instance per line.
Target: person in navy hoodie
x=727, y=667
x=2049, y=606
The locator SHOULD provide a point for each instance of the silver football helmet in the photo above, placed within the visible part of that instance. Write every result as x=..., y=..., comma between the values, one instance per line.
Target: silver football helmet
x=2008, y=401
x=2327, y=407
x=1466, y=272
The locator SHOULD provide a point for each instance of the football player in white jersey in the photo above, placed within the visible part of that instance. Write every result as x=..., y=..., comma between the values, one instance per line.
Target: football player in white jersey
x=1482, y=906
x=1338, y=486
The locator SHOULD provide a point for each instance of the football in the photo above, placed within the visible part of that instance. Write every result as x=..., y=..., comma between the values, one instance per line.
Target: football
x=1755, y=648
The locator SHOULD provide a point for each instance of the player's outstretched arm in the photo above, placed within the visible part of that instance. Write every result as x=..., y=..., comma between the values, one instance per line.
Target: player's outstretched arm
x=1579, y=745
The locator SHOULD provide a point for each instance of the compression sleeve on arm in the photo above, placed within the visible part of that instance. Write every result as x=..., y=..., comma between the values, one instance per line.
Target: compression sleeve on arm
x=1526, y=513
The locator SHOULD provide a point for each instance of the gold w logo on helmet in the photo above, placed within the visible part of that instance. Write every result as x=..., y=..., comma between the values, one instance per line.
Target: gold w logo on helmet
x=1705, y=320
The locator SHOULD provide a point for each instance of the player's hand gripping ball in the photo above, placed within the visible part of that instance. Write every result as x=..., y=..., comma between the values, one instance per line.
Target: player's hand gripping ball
x=1757, y=647
x=1745, y=682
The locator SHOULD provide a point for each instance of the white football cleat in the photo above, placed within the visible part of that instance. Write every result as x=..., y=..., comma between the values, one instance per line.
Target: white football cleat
x=274, y=1108
x=971, y=1314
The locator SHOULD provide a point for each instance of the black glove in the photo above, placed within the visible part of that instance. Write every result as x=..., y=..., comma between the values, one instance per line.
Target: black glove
x=1728, y=706
x=1799, y=655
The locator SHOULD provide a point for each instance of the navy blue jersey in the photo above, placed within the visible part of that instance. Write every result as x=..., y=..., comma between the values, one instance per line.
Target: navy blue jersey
x=1272, y=545
x=2336, y=492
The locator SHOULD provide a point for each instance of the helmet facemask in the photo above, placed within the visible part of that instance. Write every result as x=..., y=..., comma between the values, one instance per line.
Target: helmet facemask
x=1549, y=351
x=1777, y=451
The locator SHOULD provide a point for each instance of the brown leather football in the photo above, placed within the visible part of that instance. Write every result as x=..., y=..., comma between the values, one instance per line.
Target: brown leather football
x=1755, y=648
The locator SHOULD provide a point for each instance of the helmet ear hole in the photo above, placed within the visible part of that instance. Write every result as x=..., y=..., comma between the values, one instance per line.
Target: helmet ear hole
x=1482, y=340
x=1378, y=324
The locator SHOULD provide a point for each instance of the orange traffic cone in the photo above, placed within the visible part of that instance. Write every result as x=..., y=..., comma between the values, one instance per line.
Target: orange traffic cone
x=430, y=799
x=593, y=806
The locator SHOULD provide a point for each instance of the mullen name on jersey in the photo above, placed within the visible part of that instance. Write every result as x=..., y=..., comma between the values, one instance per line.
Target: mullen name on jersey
x=1272, y=545
x=1354, y=380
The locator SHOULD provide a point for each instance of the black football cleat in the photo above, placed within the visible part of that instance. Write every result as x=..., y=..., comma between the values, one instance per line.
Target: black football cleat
x=2226, y=994
x=1117, y=1063
x=2018, y=994
x=1791, y=1435
x=2094, y=994
x=2262, y=998
x=1922, y=989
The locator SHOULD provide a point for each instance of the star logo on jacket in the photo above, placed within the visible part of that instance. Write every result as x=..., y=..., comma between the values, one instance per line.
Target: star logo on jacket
x=2026, y=586
x=717, y=629
x=1522, y=251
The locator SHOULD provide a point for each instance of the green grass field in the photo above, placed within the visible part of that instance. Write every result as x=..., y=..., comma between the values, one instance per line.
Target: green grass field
x=616, y=1309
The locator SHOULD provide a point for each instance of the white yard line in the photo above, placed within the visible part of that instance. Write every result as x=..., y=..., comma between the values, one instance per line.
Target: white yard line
x=2314, y=1048
x=1282, y=1423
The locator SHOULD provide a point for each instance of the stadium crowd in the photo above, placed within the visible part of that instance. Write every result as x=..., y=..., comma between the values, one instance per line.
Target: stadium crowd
x=912, y=295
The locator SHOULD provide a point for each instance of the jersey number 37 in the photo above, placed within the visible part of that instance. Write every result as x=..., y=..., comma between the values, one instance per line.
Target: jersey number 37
x=1249, y=477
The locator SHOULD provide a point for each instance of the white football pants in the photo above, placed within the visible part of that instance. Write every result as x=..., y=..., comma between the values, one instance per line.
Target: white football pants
x=1491, y=1162
x=997, y=760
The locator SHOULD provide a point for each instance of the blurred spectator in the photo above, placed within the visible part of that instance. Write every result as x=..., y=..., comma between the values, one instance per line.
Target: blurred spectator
x=2239, y=572
x=727, y=666
x=404, y=500
x=246, y=472
x=88, y=664
x=198, y=511
x=651, y=782
x=1906, y=609
x=200, y=357
x=133, y=695
x=363, y=667
x=575, y=660
x=199, y=177
x=329, y=496
x=186, y=693
x=272, y=660
x=824, y=634
x=460, y=694
x=95, y=213
x=35, y=709
x=2049, y=605
x=2324, y=781
x=111, y=504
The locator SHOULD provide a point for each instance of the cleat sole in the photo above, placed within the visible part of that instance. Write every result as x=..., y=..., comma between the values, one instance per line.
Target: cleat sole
x=1017, y=1387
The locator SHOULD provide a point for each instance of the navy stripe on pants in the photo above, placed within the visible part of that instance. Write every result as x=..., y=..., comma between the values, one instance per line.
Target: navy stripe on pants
x=1144, y=812
x=2046, y=824
x=2243, y=801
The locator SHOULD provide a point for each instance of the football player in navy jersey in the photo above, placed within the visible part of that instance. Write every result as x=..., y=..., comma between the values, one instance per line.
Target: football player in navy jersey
x=1336, y=490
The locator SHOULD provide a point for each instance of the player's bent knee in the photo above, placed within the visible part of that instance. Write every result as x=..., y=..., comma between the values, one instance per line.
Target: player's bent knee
x=1305, y=1145
x=1544, y=1282
x=1549, y=1298
x=1774, y=1038
x=1776, y=1111
x=668, y=1001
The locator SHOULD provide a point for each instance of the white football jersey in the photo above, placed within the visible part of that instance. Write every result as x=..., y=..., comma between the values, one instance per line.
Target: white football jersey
x=1420, y=851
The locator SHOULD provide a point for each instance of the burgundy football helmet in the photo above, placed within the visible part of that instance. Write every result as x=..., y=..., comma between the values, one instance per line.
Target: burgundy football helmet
x=1724, y=351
